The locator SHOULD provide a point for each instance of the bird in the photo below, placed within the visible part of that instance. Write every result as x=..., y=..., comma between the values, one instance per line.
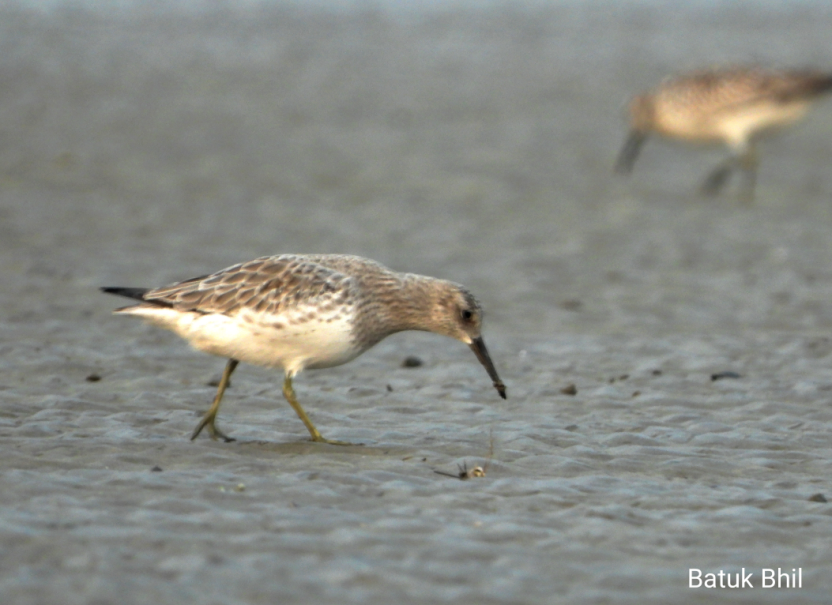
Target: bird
x=305, y=311
x=733, y=105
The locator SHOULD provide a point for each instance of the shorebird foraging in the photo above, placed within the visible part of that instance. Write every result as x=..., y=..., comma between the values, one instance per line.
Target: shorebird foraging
x=305, y=311
x=734, y=106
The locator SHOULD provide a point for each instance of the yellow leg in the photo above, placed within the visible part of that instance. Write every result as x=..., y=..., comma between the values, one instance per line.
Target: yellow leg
x=289, y=394
x=211, y=415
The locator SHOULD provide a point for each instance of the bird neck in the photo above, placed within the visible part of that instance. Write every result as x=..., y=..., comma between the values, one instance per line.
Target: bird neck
x=409, y=305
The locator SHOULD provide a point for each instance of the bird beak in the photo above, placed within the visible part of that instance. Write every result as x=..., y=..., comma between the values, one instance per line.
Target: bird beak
x=629, y=152
x=478, y=347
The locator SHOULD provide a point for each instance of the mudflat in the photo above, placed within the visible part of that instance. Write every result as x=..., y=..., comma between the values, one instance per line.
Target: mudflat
x=668, y=358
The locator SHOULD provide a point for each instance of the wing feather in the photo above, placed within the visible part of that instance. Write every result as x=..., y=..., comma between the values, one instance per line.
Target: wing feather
x=727, y=90
x=271, y=284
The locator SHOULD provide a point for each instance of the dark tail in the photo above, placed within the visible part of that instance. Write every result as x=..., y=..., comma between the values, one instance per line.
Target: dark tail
x=810, y=86
x=822, y=85
x=134, y=293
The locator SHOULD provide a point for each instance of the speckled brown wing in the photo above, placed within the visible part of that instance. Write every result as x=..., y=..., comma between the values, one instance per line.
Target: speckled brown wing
x=272, y=284
x=730, y=89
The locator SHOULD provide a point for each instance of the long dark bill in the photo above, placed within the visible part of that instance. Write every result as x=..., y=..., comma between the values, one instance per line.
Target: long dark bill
x=629, y=152
x=478, y=347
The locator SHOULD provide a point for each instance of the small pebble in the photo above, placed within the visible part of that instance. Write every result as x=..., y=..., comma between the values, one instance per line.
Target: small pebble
x=411, y=361
x=818, y=498
x=571, y=305
x=726, y=374
x=569, y=390
x=93, y=378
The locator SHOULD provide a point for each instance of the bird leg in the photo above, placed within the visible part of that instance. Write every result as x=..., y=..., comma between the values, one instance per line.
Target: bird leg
x=748, y=163
x=289, y=394
x=210, y=416
x=718, y=177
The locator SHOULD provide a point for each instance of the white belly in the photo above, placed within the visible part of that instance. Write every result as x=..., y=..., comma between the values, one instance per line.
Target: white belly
x=735, y=127
x=292, y=343
x=760, y=119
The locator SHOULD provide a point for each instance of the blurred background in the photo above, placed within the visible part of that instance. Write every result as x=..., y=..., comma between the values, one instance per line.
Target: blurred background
x=140, y=142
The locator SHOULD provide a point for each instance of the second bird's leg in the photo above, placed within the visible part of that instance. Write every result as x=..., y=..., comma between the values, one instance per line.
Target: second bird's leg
x=718, y=177
x=748, y=163
x=289, y=394
x=210, y=416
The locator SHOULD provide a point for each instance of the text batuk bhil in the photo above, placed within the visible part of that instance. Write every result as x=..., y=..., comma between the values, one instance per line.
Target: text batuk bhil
x=766, y=578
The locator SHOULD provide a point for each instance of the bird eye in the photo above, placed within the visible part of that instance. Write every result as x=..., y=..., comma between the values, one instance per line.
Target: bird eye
x=466, y=315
